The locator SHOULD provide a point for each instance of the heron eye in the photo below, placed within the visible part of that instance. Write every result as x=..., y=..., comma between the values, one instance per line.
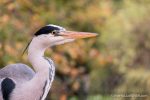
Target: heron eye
x=54, y=32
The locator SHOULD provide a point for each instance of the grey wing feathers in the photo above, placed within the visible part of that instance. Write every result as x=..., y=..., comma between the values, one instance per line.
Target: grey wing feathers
x=19, y=73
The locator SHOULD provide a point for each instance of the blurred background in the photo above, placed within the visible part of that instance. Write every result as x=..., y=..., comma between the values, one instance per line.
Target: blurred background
x=113, y=66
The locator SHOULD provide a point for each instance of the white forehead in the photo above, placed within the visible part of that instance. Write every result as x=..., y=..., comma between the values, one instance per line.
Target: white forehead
x=61, y=28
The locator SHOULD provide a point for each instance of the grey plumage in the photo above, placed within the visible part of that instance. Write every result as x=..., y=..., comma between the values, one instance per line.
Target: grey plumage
x=19, y=73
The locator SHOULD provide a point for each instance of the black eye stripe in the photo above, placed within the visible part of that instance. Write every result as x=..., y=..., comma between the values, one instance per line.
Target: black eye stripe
x=46, y=30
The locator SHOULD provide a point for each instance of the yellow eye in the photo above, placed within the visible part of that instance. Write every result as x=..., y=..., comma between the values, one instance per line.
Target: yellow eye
x=54, y=32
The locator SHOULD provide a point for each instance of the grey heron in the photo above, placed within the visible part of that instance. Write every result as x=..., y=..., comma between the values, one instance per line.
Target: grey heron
x=20, y=82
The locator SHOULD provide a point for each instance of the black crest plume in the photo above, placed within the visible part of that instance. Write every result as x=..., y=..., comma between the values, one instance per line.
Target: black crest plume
x=46, y=30
x=26, y=47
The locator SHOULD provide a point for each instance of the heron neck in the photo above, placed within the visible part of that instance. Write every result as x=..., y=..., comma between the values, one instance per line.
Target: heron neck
x=36, y=57
x=44, y=68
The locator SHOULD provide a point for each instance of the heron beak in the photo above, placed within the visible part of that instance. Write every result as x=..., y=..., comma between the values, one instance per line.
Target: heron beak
x=77, y=35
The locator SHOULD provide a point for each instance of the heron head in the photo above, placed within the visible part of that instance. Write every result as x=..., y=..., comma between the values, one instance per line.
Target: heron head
x=51, y=35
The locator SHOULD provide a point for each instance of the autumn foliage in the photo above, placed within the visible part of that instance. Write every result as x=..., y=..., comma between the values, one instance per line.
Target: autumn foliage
x=116, y=62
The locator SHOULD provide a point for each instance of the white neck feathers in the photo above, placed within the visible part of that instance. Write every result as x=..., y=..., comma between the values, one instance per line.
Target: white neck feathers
x=43, y=67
